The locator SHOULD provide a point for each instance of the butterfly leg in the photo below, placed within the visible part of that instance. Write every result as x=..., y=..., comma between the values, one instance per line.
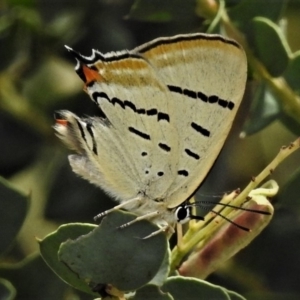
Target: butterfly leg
x=147, y=216
x=162, y=229
x=137, y=199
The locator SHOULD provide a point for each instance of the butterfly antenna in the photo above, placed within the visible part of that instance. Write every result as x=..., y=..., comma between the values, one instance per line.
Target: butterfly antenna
x=225, y=218
x=222, y=216
x=231, y=206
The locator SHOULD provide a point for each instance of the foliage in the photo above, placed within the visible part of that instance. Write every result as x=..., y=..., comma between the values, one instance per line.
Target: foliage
x=39, y=192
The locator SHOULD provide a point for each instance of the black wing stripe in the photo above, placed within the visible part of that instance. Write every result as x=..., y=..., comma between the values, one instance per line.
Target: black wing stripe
x=139, y=133
x=192, y=154
x=200, y=129
x=212, y=99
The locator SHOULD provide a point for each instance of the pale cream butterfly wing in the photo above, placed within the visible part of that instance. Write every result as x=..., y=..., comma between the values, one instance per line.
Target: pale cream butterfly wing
x=206, y=75
x=167, y=107
x=127, y=151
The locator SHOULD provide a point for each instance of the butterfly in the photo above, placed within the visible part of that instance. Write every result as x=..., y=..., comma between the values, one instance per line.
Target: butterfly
x=166, y=108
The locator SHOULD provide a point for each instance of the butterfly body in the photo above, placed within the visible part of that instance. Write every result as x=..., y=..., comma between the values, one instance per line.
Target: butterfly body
x=166, y=109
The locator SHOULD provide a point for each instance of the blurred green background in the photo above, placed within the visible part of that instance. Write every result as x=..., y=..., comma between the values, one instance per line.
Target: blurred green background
x=37, y=78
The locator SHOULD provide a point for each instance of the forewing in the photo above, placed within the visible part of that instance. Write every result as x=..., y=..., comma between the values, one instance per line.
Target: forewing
x=206, y=75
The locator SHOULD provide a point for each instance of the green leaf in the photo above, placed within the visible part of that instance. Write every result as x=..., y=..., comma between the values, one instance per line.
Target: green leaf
x=292, y=73
x=271, y=46
x=7, y=290
x=151, y=292
x=264, y=110
x=49, y=247
x=121, y=257
x=13, y=210
x=162, y=10
x=164, y=270
x=193, y=289
x=235, y=296
x=243, y=13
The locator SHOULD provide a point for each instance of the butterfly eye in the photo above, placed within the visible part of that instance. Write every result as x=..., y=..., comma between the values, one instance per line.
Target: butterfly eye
x=182, y=214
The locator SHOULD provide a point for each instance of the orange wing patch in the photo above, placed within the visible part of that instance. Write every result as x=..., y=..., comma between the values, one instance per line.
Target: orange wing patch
x=61, y=122
x=90, y=75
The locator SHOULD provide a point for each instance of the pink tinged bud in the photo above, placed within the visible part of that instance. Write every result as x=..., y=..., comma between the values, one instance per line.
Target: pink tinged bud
x=229, y=240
